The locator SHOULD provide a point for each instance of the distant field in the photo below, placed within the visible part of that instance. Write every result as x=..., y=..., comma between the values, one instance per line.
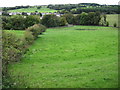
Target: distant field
x=70, y=57
x=112, y=18
x=43, y=9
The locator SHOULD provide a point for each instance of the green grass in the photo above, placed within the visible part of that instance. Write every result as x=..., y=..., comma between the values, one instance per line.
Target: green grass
x=112, y=18
x=42, y=10
x=70, y=57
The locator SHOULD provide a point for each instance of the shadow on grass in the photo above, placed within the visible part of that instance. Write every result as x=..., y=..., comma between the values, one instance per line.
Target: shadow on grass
x=85, y=29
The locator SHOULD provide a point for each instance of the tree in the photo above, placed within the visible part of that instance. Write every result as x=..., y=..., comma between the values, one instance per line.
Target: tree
x=84, y=19
x=63, y=21
x=77, y=19
x=69, y=17
x=31, y=20
x=50, y=20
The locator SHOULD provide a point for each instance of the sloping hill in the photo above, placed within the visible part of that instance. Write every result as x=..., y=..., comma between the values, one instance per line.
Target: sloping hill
x=70, y=57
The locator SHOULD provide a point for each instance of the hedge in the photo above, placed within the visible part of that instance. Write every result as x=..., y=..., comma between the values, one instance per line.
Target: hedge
x=14, y=48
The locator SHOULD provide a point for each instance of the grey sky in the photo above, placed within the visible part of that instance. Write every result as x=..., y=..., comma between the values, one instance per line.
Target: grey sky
x=9, y=3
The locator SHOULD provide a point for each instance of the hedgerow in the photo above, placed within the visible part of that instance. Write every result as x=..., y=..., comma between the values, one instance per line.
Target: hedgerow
x=14, y=48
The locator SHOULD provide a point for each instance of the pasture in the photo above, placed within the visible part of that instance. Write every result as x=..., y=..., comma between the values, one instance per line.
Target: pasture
x=112, y=18
x=70, y=57
x=33, y=9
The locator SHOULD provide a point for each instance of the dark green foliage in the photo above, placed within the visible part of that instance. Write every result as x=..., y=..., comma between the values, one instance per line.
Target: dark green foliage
x=86, y=7
x=77, y=19
x=91, y=18
x=19, y=22
x=31, y=20
x=50, y=20
x=36, y=30
x=69, y=17
x=5, y=24
x=63, y=21
x=13, y=8
x=84, y=19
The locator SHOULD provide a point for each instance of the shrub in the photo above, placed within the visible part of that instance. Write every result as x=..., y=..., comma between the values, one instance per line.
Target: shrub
x=36, y=30
x=13, y=48
x=28, y=38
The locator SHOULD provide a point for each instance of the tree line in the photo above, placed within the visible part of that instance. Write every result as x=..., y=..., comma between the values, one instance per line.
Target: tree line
x=85, y=7
x=21, y=22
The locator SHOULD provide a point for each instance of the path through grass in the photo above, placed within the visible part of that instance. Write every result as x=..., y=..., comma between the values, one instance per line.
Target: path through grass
x=70, y=57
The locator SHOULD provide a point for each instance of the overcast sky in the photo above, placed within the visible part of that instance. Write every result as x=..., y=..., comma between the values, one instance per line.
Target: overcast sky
x=9, y=3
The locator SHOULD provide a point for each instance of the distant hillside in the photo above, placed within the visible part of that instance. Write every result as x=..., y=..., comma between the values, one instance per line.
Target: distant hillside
x=65, y=8
x=85, y=7
x=33, y=9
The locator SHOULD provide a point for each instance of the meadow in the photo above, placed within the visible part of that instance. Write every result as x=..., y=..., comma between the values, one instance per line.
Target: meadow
x=70, y=57
x=112, y=18
x=33, y=9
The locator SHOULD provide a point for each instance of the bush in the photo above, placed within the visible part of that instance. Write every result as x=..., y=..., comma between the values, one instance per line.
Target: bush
x=13, y=48
x=36, y=30
x=50, y=20
x=28, y=38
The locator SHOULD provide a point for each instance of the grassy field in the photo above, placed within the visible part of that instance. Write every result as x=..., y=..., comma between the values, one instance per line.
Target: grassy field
x=42, y=10
x=112, y=18
x=70, y=57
